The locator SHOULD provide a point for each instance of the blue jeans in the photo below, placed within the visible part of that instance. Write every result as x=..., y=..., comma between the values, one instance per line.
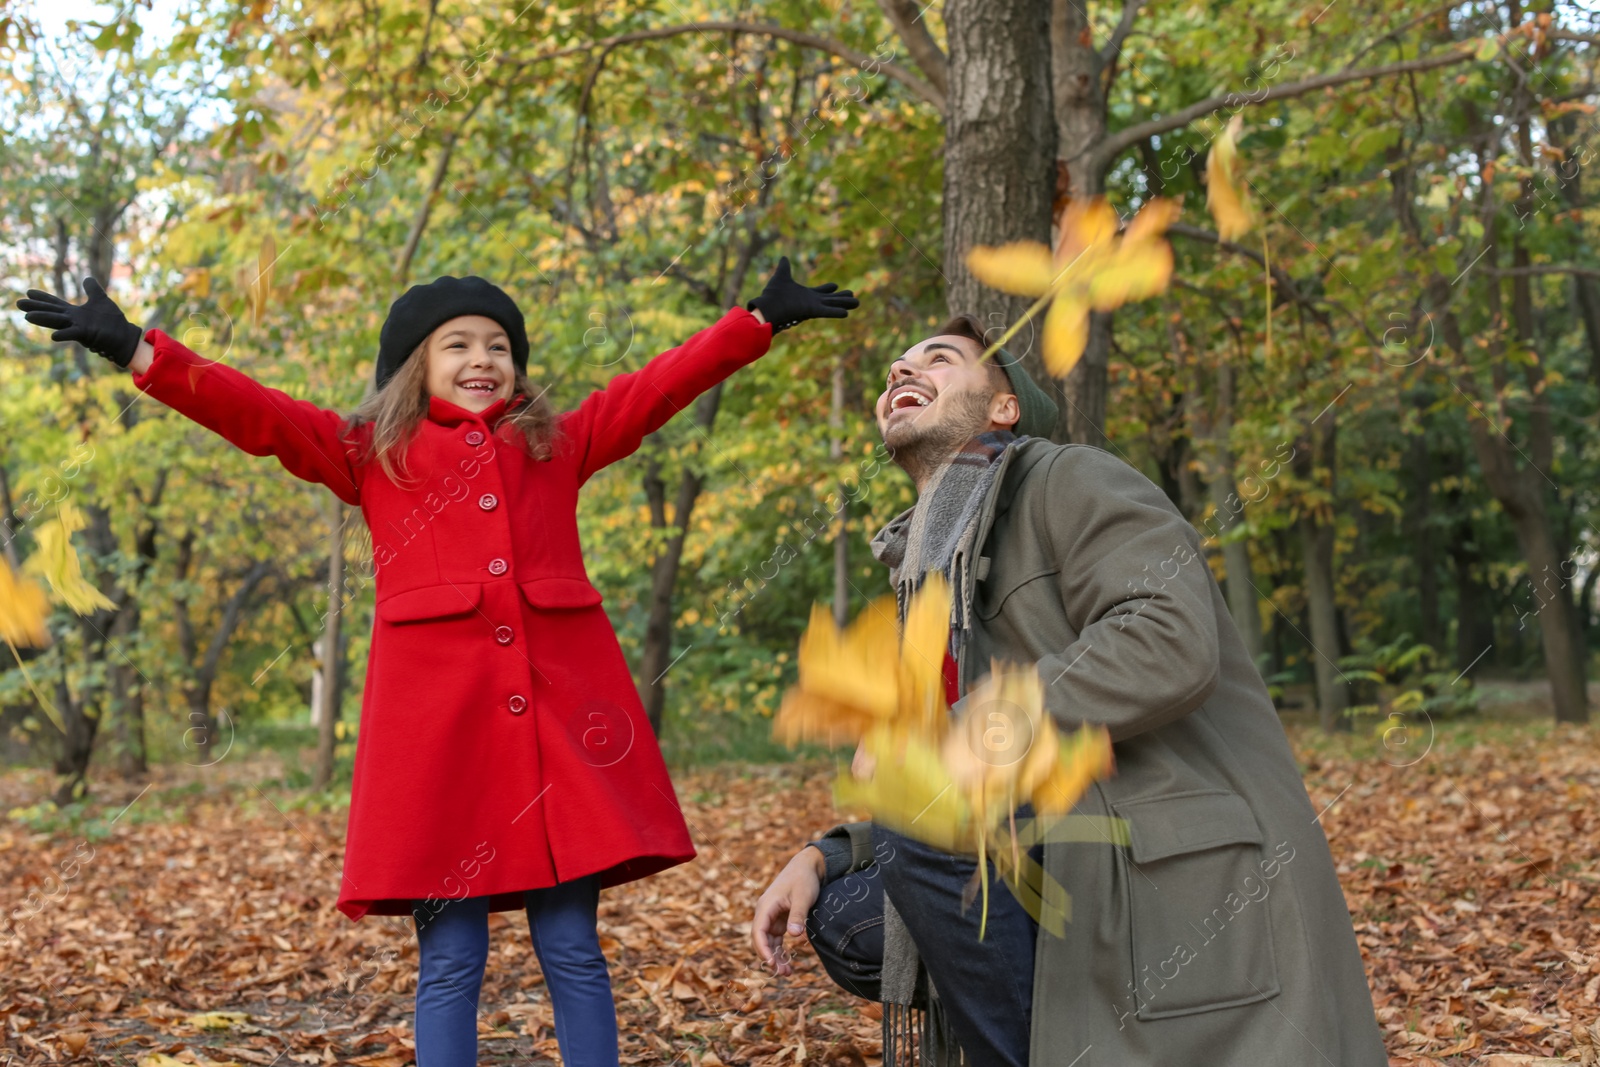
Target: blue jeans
x=454, y=944
x=986, y=987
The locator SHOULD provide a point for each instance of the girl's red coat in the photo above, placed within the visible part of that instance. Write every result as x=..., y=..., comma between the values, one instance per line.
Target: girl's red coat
x=503, y=746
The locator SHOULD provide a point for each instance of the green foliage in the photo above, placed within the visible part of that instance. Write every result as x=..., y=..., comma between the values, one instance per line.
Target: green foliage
x=628, y=197
x=1409, y=681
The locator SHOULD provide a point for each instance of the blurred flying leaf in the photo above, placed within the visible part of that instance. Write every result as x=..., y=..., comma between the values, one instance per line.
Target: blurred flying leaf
x=256, y=281
x=57, y=563
x=955, y=786
x=864, y=675
x=22, y=610
x=1229, y=204
x=1092, y=270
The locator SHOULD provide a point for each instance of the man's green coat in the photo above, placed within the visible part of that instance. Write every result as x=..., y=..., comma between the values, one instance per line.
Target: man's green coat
x=1218, y=935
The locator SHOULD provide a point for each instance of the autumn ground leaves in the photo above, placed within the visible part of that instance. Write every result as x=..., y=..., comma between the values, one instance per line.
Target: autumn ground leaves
x=1471, y=878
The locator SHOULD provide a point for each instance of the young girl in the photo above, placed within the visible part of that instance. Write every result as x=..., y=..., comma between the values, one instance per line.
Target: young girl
x=504, y=759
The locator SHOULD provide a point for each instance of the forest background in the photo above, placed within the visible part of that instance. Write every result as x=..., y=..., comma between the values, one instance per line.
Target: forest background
x=1390, y=453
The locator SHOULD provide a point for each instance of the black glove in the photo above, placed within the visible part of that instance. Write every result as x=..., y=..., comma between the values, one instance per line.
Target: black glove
x=785, y=301
x=97, y=323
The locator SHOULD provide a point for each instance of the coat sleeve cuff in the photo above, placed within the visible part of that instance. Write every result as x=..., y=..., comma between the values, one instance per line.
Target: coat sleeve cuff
x=845, y=848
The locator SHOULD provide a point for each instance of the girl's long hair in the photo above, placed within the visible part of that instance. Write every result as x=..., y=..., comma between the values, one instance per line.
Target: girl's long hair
x=397, y=409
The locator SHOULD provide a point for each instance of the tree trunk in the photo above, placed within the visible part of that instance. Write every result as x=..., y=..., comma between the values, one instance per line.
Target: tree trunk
x=999, y=150
x=331, y=679
x=127, y=692
x=1418, y=519
x=1586, y=289
x=1243, y=601
x=1474, y=616
x=1550, y=599
x=1521, y=493
x=82, y=711
x=8, y=521
x=127, y=698
x=658, y=659
x=77, y=744
x=1316, y=547
x=1078, y=94
x=841, y=539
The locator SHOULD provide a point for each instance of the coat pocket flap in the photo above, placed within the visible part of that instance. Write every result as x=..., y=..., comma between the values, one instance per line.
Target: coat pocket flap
x=1172, y=825
x=430, y=602
x=560, y=593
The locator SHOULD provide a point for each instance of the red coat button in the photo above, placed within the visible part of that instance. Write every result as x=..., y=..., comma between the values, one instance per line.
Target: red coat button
x=474, y=438
x=488, y=501
x=503, y=634
x=517, y=704
x=497, y=566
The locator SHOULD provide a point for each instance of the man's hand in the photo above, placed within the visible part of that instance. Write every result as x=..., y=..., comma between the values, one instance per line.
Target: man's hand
x=863, y=763
x=783, y=908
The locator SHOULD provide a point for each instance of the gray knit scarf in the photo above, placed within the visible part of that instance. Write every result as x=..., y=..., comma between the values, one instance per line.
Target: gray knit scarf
x=940, y=531
x=938, y=534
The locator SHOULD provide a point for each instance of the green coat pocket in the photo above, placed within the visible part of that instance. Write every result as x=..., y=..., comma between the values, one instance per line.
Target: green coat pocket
x=1198, y=882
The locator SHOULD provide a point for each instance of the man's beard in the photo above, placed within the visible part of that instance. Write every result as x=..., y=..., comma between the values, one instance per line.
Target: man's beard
x=920, y=446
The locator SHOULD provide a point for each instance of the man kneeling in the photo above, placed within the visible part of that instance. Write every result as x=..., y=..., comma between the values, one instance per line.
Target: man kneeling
x=1215, y=933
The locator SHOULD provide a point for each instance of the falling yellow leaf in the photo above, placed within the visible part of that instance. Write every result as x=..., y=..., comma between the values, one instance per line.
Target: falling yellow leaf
x=1092, y=269
x=57, y=563
x=161, y=1059
x=1229, y=204
x=22, y=610
x=1081, y=760
x=955, y=786
x=923, y=647
x=218, y=1020
x=256, y=281
x=1066, y=333
x=1003, y=745
x=853, y=679
x=1022, y=267
x=843, y=687
x=910, y=792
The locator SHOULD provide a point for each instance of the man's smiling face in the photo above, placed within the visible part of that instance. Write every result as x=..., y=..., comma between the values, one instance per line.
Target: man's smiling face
x=939, y=391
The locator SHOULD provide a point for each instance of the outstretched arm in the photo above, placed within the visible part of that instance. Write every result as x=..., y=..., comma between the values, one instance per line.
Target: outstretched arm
x=306, y=439
x=610, y=424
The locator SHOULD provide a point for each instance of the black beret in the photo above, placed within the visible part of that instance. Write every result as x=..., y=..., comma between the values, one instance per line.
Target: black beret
x=424, y=308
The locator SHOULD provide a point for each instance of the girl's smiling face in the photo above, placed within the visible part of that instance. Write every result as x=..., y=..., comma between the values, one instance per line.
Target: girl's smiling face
x=469, y=362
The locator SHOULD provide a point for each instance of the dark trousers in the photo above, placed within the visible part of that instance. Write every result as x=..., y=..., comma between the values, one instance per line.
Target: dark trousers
x=986, y=987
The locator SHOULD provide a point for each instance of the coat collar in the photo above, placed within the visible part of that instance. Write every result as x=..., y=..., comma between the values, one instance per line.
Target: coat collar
x=1013, y=465
x=447, y=414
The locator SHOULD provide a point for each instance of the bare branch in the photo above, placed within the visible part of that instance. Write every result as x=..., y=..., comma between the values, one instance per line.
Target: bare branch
x=1113, y=46
x=1547, y=268
x=1280, y=277
x=906, y=18
x=446, y=150
x=1116, y=143
x=807, y=40
x=1580, y=92
x=1394, y=34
